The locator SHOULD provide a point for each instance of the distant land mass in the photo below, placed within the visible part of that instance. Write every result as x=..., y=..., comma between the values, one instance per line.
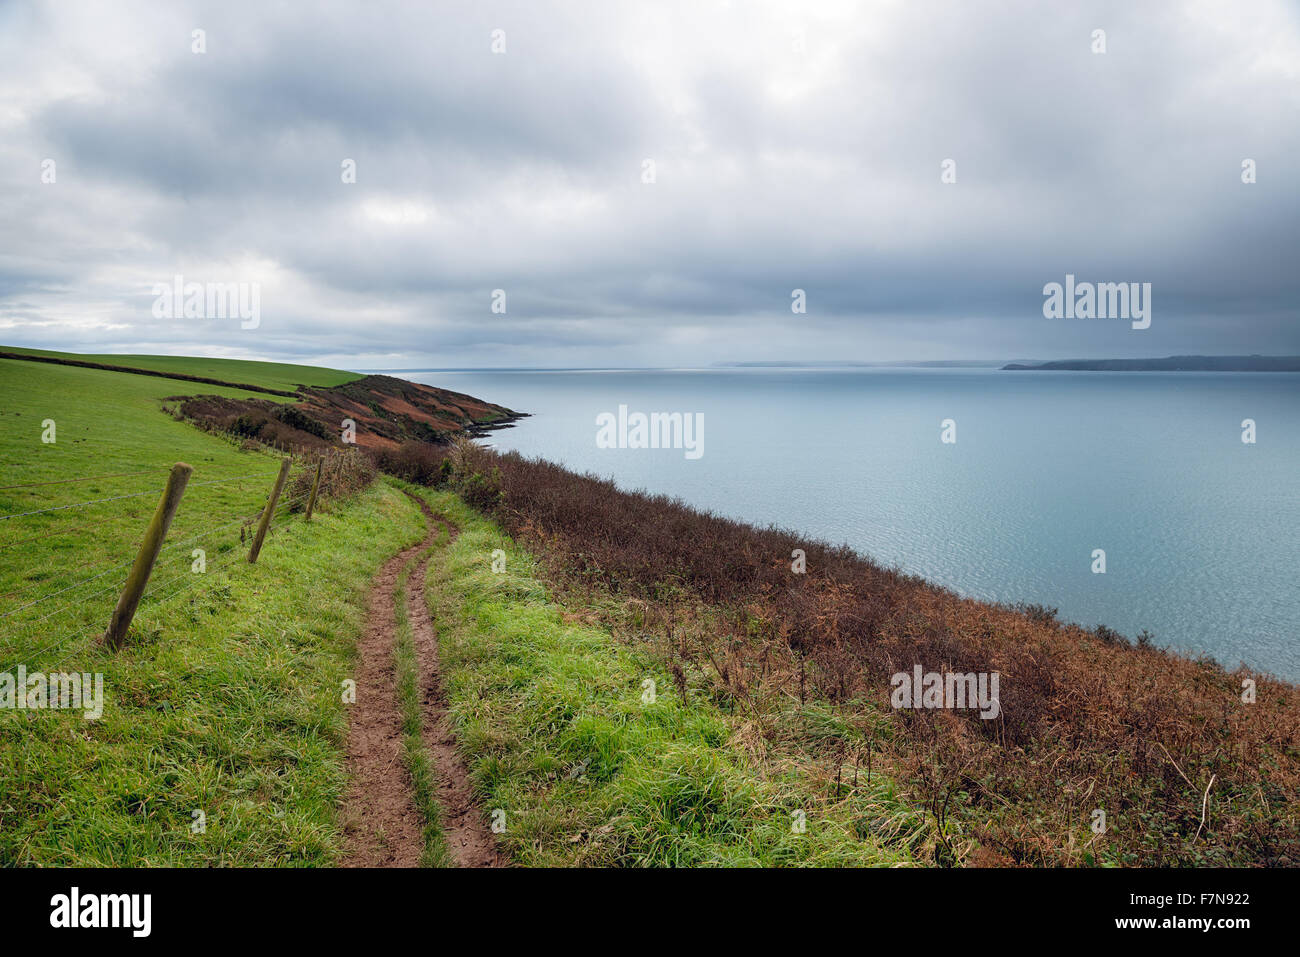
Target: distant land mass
x=852, y=364
x=1169, y=364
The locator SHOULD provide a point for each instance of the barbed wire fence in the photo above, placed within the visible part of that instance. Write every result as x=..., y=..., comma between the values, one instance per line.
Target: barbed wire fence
x=55, y=608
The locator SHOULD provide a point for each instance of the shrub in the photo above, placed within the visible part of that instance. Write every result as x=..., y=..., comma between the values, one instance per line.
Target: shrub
x=343, y=472
x=413, y=461
x=482, y=492
x=1109, y=635
x=247, y=426
x=1039, y=613
x=295, y=418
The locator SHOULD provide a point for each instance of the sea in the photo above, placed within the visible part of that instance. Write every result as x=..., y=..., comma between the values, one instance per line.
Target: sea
x=1128, y=499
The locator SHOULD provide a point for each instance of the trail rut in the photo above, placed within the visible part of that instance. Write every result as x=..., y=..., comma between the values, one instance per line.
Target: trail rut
x=469, y=840
x=382, y=825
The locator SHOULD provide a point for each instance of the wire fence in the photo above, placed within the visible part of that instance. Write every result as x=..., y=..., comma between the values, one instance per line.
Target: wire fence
x=58, y=597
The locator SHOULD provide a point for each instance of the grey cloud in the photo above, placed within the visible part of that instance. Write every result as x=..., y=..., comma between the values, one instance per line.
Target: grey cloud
x=776, y=170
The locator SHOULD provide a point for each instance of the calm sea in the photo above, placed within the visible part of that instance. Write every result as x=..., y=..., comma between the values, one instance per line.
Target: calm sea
x=1201, y=531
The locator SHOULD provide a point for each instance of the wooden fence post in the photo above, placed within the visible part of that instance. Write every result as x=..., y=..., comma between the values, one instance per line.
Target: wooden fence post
x=315, y=485
x=144, y=561
x=265, y=523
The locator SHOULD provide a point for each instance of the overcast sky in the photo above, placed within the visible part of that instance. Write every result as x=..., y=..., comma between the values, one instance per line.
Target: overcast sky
x=795, y=145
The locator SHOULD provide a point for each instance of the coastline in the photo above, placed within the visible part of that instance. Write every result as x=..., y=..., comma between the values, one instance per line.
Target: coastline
x=1080, y=710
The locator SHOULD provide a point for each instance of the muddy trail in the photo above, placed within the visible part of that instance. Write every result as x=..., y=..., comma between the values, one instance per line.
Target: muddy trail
x=469, y=841
x=382, y=826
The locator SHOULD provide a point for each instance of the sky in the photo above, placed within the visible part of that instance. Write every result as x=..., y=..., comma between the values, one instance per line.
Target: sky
x=647, y=184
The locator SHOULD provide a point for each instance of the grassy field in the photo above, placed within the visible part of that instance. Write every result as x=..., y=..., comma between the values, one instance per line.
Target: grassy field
x=227, y=700
x=271, y=375
x=112, y=447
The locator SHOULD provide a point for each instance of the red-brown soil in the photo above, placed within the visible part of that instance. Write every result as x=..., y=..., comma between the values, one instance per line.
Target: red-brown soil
x=469, y=841
x=386, y=412
x=382, y=826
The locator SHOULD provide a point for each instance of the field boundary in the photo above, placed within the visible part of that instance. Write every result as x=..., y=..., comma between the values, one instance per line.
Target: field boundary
x=127, y=576
x=183, y=377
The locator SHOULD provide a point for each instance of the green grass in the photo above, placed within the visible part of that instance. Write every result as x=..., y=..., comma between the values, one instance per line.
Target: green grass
x=108, y=428
x=552, y=720
x=228, y=697
x=271, y=375
x=228, y=701
x=424, y=778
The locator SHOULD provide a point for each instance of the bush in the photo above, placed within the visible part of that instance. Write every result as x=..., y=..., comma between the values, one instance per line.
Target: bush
x=342, y=473
x=1109, y=635
x=480, y=491
x=1039, y=613
x=414, y=461
x=247, y=426
x=295, y=418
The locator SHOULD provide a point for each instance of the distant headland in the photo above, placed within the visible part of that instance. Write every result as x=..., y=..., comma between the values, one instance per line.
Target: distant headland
x=1168, y=364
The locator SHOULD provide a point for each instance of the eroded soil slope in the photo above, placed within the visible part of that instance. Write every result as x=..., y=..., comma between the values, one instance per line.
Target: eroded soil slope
x=387, y=412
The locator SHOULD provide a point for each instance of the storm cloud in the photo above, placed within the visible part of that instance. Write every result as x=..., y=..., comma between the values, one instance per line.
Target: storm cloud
x=794, y=146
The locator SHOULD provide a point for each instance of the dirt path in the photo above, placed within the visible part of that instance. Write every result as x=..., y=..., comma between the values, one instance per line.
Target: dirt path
x=469, y=841
x=382, y=826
